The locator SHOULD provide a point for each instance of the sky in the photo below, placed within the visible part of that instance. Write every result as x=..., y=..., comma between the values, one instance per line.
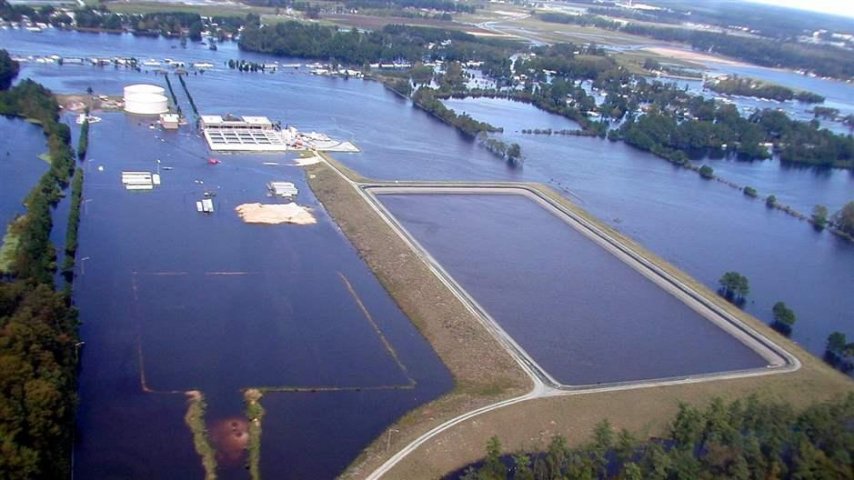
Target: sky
x=835, y=7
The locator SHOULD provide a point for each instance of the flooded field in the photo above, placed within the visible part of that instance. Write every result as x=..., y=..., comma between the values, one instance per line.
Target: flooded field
x=21, y=143
x=173, y=300
x=583, y=314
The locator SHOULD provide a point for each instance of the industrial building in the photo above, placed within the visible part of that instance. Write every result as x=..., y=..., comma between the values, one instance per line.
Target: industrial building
x=283, y=189
x=170, y=121
x=242, y=134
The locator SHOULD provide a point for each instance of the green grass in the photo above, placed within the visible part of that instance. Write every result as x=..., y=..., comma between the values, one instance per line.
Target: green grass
x=195, y=419
x=254, y=414
x=46, y=157
x=11, y=240
x=205, y=10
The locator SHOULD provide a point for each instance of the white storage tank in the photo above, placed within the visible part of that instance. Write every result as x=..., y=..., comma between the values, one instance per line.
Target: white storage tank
x=144, y=88
x=145, y=99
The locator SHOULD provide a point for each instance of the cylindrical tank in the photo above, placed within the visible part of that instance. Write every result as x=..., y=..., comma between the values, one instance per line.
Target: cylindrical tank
x=144, y=88
x=146, y=104
x=145, y=99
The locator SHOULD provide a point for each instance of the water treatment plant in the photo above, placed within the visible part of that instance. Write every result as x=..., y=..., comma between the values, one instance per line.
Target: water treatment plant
x=259, y=300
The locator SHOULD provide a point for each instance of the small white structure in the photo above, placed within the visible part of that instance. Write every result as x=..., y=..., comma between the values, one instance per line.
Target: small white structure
x=144, y=99
x=138, y=180
x=169, y=121
x=283, y=189
x=205, y=206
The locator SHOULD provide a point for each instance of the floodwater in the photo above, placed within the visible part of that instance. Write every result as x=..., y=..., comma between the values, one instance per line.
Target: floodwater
x=584, y=315
x=173, y=300
x=702, y=227
x=705, y=228
x=21, y=143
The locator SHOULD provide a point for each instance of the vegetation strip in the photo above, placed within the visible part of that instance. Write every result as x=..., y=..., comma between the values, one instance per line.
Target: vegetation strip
x=740, y=439
x=195, y=420
x=38, y=325
x=254, y=414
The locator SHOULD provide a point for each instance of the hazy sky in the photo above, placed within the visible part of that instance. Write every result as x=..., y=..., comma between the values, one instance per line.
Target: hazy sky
x=837, y=7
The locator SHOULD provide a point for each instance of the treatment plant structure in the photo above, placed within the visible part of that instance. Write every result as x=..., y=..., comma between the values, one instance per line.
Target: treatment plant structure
x=144, y=99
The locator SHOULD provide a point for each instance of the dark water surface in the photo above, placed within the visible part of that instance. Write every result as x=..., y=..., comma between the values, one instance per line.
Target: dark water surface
x=173, y=300
x=584, y=315
x=292, y=291
x=21, y=143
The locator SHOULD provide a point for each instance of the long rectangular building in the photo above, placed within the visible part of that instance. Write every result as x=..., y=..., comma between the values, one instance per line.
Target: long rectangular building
x=242, y=134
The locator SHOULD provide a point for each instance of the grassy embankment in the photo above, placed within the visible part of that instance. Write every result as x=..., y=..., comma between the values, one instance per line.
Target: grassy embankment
x=459, y=339
x=254, y=414
x=483, y=371
x=195, y=420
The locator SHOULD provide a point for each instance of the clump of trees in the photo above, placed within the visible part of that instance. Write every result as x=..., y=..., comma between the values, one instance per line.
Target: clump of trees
x=748, y=87
x=819, y=217
x=844, y=218
x=425, y=99
x=838, y=352
x=734, y=287
x=8, y=70
x=388, y=44
x=784, y=318
x=744, y=439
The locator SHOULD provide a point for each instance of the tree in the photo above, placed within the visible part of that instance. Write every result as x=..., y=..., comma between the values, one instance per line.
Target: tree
x=493, y=468
x=784, y=318
x=819, y=217
x=707, y=172
x=837, y=349
x=771, y=201
x=8, y=70
x=522, y=467
x=734, y=286
x=844, y=218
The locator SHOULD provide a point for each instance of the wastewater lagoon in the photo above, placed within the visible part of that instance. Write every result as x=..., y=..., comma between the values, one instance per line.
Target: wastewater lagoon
x=583, y=314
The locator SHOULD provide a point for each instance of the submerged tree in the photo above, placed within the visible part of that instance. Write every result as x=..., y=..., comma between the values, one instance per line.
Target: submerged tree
x=784, y=318
x=819, y=217
x=734, y=286
x=844, y=218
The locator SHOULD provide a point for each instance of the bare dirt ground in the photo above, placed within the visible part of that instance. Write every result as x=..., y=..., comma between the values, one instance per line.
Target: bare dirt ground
x=275, y=214
x=691, y=56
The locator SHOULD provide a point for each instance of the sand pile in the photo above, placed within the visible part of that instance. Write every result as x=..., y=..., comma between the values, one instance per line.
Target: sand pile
x=275, y=214
x=305, y=161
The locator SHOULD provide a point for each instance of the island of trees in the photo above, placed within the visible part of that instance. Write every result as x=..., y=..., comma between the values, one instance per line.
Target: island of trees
x=748, y=87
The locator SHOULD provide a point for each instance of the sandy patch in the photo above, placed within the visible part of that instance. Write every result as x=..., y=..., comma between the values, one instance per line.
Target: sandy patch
x=304, y=162
x=275, y=214
x=691, y=56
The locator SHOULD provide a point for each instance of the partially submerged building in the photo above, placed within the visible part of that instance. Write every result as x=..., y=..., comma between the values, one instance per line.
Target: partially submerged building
x=242, y=134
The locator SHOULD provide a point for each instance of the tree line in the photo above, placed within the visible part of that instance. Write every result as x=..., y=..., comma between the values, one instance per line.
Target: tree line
x=823, y=60
x=352, y=47
x=38, y=325
x=742, y=439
